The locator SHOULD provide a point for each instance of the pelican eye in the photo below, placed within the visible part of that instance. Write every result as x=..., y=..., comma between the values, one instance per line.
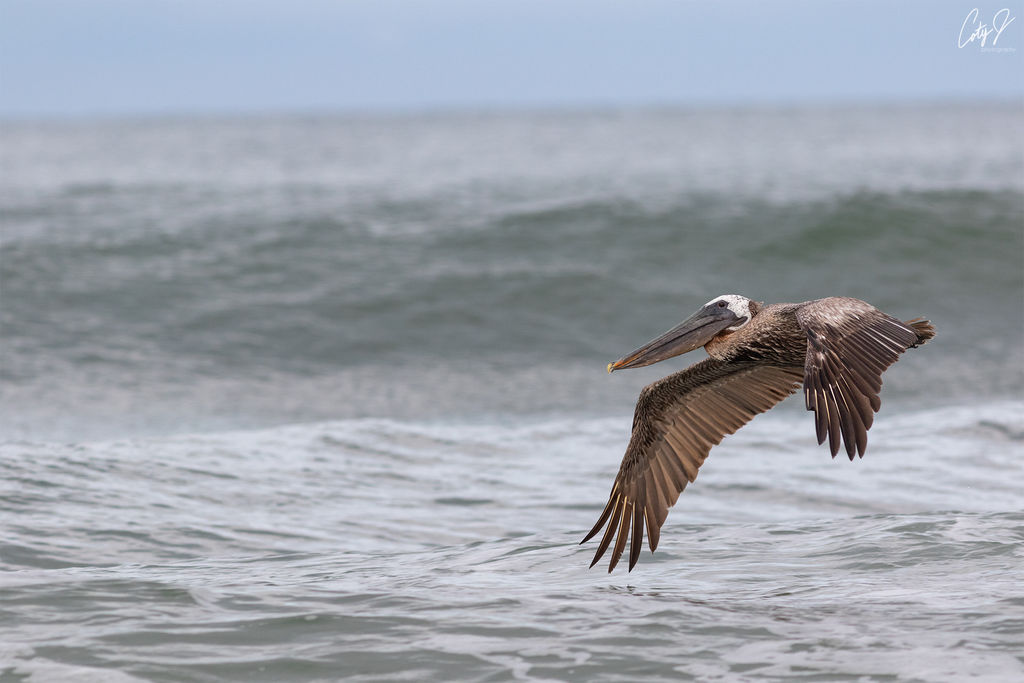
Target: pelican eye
x=721, y=304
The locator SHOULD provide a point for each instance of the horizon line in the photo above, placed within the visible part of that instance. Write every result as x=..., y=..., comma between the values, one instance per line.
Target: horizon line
x=484, y=109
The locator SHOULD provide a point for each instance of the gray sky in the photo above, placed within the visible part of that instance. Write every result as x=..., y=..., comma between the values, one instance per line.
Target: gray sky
x=72, y=57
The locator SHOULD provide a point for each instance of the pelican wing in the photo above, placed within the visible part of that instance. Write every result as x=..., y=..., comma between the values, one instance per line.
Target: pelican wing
x=677, y=421
x=849, y=344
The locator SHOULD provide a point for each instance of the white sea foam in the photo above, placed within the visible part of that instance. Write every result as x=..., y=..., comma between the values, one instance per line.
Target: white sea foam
x=449, y=550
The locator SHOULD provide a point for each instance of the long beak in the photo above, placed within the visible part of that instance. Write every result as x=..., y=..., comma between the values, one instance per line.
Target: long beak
x=692, y=333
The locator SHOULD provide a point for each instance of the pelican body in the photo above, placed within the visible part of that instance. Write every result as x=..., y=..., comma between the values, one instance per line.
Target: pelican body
x=836, y=348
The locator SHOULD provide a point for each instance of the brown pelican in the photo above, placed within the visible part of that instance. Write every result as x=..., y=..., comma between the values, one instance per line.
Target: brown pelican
x=837, y=347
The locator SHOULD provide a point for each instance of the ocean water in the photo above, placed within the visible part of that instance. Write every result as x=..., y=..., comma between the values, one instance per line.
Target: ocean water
x=323, y=398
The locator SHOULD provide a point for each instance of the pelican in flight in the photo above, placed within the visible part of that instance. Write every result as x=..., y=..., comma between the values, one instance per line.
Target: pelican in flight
x=836, y=347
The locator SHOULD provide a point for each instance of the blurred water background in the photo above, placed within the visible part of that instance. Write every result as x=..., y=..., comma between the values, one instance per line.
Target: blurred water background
x=305, y=398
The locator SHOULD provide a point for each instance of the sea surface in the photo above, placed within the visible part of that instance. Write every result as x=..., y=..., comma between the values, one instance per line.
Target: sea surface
x=314, y=398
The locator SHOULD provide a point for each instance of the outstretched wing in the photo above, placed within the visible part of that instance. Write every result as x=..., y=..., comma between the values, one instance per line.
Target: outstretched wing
x=677, y=421
x=849, y=344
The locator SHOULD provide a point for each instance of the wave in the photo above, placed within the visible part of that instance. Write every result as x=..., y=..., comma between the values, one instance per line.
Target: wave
x=566, y=281
x=456, y=264
x=449, y=550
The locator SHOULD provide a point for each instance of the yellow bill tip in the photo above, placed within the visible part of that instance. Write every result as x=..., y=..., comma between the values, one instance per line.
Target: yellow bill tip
x=610, y=368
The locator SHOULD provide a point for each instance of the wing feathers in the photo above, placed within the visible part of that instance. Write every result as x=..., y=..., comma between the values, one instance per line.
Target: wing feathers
x=833, y=420
x=676, y=423
x=604, y=513
x=667, y=457
x=620, y=540
x=637, y=541
x=656, y=501
x=849, y=345
x=610, y=532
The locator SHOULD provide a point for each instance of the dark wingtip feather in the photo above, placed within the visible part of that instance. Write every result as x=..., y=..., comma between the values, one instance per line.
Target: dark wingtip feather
x=637, y=540
x=623, y=535
x=604, y=516
x=820, y=417
x=923, y=328
x=833, y=426
x=849, y=439
x=610, y=531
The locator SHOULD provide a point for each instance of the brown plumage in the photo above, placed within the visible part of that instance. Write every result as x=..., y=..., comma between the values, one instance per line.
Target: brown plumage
x=836, y=347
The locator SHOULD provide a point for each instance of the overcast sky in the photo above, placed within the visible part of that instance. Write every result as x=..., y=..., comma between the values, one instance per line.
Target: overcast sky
x=76, y=57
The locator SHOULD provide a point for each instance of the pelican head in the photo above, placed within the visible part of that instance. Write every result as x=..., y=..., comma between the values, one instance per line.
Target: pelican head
x=725, y=313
